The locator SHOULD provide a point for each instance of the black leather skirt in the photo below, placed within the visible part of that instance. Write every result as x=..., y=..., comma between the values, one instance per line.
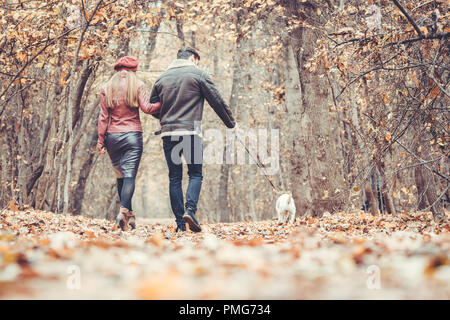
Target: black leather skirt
x=125, y=151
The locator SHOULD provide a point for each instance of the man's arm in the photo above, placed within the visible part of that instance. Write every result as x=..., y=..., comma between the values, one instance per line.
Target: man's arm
x=154, y=98
x=216, y=101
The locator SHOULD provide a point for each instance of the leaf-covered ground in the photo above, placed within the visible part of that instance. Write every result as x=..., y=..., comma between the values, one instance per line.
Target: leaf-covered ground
x=342, y=256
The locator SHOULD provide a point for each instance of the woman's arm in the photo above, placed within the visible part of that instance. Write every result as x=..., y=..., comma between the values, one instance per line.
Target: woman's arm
x=144, y=103
x=103, y=119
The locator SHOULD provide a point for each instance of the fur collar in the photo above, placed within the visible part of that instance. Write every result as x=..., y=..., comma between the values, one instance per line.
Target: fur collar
x=177, y=63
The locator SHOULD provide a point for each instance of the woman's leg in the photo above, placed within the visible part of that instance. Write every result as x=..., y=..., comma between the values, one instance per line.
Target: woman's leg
x=127, y=192
x=131, y=156
x=119, y=187
x=126, y=157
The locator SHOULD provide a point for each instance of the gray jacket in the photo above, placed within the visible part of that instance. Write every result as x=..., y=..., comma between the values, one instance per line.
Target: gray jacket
x=182, y=90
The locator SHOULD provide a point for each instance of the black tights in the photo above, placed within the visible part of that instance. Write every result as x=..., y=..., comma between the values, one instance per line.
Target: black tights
x=125, y=187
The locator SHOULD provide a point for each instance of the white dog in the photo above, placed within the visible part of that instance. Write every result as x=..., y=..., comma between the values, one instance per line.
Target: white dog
x=285, y=207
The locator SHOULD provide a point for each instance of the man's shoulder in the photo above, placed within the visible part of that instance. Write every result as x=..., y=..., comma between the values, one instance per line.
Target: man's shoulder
x=185, y=71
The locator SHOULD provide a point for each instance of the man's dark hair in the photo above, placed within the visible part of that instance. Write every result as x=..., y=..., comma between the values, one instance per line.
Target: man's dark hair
x=185, y=53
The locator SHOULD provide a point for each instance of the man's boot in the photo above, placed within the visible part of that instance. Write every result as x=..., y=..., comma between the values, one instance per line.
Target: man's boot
x=189, y=218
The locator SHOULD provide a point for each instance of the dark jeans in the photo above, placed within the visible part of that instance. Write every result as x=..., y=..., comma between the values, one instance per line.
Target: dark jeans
x=190, y=146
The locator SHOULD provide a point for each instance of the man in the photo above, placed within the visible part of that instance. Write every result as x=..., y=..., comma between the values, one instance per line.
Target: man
x=182, y=90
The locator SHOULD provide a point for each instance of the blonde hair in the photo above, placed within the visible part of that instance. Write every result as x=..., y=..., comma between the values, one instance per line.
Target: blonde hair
x=112, y=89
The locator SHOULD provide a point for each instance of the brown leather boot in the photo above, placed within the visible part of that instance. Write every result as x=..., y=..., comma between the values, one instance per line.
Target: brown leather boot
x=132, y=220
x=122, y=218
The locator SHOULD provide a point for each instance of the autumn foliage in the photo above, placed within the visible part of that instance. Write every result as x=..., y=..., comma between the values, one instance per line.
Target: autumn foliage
x=337, y=256
x=359, y=92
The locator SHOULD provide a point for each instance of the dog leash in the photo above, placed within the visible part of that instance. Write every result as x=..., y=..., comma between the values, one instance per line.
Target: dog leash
x=257, y=163
x=249, y=153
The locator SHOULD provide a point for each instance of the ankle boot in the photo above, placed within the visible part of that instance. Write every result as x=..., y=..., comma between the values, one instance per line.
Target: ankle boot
x=122, y=218
x=132, y=220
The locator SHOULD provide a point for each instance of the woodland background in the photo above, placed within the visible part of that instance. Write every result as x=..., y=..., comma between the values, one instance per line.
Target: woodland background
x=358, y=90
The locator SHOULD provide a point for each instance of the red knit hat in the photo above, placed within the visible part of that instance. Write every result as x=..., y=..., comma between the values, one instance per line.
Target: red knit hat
x=126, y=62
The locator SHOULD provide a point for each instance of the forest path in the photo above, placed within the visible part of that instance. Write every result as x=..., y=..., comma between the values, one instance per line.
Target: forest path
x=347, y=256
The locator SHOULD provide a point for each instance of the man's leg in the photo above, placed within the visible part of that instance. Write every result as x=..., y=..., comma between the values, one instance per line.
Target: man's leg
x=195, y=172
x=193, y=156
x=175, y=181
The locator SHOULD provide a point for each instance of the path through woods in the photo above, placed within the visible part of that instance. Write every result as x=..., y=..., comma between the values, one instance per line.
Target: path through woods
x=344, y=256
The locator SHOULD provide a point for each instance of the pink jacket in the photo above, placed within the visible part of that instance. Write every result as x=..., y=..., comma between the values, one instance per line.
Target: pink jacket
x=123, y=118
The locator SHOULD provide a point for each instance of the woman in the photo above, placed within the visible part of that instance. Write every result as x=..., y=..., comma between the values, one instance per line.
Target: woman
x=120, y=131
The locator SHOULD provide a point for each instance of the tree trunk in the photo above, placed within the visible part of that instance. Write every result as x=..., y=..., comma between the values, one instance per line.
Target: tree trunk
x=320, y=156
x=300, y=180
x=371, y=199
x=224, y=206
x=86, y=167
x=421, y=192
x=385, y=192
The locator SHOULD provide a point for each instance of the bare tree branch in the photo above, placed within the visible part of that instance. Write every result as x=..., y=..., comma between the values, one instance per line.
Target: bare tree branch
x=432, y=71
x=411, y=20
x=434, y=36
x=29, y=62
x=421, y=160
